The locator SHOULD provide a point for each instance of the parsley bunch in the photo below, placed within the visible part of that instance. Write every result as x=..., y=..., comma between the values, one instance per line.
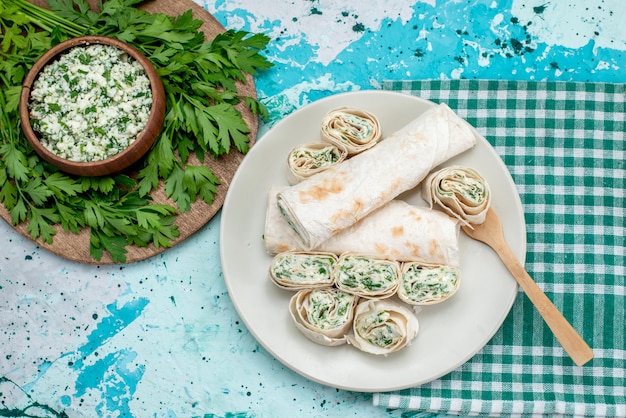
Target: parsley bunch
x=200, y=79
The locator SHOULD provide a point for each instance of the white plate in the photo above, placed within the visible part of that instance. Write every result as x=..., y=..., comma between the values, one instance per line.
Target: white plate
x=450, y=333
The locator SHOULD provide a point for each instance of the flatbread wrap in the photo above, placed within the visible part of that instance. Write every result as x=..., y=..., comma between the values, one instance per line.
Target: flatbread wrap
x=354, y=129
x=366, y=276
x=427, y=284
x=294, y=270
x=382, y=327
x=397, y=231
x=460, y=191
x=323, y=315
x=337, y=198
x=308, y=159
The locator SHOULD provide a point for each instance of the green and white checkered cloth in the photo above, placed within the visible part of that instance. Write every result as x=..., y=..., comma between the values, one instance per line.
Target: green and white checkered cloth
x=563, y=143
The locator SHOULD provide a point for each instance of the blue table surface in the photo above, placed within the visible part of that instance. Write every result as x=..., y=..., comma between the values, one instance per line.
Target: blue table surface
x=161, y=337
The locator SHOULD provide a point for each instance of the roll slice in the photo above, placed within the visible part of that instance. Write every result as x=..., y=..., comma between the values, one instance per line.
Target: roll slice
x=382, y=326
x=306, y=160
x=354, y=129
x=423, y=284
x=300, y=270
x=460, y=191
x=366, y=276
x=323, y=315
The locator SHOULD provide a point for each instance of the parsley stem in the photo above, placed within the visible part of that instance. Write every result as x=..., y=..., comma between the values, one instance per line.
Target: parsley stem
x=45, y=18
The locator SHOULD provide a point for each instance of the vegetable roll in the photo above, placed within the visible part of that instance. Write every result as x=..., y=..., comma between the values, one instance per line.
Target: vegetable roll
x=423, y=284
x=323, y=315
x=366, y=276
x=339, y=197
x=461, y=192
x=397, y=231
x=309, y=159
x=382, y=326
x=353, y=129
x=298, y=270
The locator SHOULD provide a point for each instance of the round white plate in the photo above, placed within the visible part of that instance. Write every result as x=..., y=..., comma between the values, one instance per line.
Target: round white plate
x=450, y=333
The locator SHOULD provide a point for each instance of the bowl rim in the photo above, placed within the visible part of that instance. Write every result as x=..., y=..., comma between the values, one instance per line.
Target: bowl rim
x=121, y=160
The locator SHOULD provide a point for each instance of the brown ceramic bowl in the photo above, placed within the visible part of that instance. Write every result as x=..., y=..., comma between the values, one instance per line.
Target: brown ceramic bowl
x=125, y=158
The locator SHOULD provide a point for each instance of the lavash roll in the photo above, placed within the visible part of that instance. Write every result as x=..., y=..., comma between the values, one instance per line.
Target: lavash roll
x=460, y=191
x=427, y=284
x=309, y=159
x=354, y=129
x=369, y=277
x=382, y=327
x=337, y=198
x=396, y=231
x=295, y=270
x=323, y=315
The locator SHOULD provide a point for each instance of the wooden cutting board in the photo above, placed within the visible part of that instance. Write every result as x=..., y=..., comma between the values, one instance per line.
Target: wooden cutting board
x=76, y=246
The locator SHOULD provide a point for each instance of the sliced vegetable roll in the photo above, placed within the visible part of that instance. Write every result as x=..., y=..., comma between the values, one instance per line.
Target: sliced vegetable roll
x=337, y=198
x=460, y=191
x=323, y=315
x=366, y=276
x=299, y=270
x=382, y=326
x=352, y=128
x=423, y=284
x=309, y=159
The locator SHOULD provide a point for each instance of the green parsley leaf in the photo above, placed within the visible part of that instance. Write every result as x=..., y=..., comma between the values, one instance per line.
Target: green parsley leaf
x=62, y=185
x=175, y=189
x=37, y=191
x=115, y=245
x=15, y=162
x=76, y=10
x=70, y=218
x=200, y=181
x=40, y=223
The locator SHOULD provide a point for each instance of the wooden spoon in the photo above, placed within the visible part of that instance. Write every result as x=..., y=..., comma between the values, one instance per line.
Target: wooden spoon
x=490, y=233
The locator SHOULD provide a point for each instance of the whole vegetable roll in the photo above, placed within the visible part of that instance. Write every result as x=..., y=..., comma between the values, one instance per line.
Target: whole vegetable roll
x=366, y=276
x=323, y=315
x=339, y=197
x=397, y=231
x=382, y=326
x=424, y=284
x=354, y=129
x=462, y=192
x=309, y=159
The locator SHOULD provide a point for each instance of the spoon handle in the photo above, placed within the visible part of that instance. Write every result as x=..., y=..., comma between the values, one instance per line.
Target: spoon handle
x=571, y=341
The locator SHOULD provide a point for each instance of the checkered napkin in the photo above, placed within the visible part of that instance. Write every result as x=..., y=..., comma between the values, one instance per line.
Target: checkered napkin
x=563, y=143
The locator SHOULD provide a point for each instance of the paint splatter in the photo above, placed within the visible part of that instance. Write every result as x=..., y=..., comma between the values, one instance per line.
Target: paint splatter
x=518, y=40
x=359, y=27
x=540, y=9
x=16, y=402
